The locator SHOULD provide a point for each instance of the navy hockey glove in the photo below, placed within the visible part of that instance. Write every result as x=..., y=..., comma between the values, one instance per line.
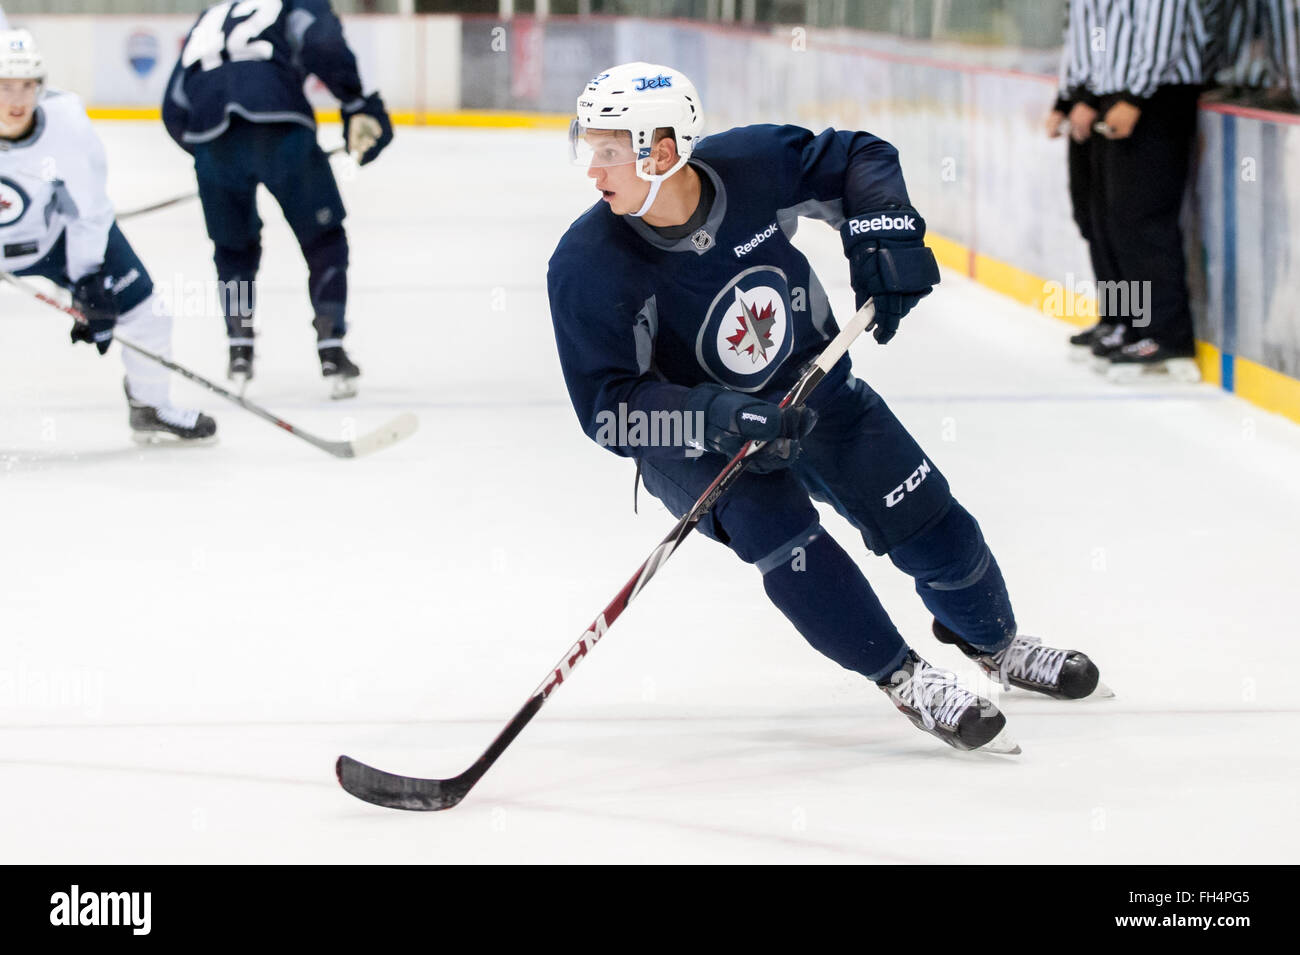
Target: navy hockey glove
x=731, y=419
x=366, y=128
x=888, y=261
x=92, y=296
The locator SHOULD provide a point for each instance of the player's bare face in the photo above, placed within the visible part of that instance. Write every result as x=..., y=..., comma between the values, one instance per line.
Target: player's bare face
x=613, y=167
x=17, y=107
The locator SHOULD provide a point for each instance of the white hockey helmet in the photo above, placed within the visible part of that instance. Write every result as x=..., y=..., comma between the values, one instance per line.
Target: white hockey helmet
x=639, y=98
x=19, y=58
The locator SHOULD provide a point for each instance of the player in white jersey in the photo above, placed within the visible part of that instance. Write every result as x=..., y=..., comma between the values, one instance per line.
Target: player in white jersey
x=57, y=222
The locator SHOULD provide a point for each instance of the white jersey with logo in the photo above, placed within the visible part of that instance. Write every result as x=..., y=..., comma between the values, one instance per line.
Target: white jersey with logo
x=54, y=181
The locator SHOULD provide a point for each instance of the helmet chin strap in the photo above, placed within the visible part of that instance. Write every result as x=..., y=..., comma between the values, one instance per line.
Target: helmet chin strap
x=655, y=183
x=650, y=197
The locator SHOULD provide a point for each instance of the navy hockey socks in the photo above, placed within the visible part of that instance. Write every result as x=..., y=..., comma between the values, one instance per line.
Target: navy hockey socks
x=327, y=282
x=959, y=581
x=824, y=594
x=237, y=274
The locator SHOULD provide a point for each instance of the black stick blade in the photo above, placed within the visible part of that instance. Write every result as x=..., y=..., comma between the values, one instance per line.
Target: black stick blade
x=398, y=792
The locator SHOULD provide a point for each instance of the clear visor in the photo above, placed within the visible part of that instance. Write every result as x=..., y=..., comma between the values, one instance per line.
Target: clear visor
x=599, y=147
x=18, y=94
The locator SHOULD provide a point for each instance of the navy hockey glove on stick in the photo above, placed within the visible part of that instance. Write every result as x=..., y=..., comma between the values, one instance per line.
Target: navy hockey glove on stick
x=888, y=261
x=732, y=419
x=92, y=296
x=366, y=128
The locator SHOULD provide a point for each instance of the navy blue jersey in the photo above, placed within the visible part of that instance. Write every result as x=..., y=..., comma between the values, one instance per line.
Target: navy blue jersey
x=250, y=59
x=639, y=319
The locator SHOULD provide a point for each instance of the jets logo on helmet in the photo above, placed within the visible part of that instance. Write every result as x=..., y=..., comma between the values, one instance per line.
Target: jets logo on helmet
x=653, y=82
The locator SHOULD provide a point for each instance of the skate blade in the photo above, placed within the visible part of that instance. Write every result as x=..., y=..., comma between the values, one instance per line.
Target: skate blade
x=343, y=387
x=165, y=439
x=1173, y=369
x=1183, y=369
x=1101, y=692
x=1002, y=745
x=1079, y=353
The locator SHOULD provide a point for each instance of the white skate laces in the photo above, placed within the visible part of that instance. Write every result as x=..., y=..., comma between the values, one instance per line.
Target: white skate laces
x=1027, y=659
x=177, y=417
x=935, y=695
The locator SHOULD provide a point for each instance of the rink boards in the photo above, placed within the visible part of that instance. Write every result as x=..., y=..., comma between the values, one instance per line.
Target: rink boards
x=992, y=187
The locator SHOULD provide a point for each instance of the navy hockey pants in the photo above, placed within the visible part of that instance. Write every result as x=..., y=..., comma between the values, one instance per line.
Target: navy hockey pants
x=285, y=158
x=862, y=461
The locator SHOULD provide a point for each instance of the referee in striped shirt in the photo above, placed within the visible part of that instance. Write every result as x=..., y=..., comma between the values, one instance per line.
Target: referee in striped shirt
x=1141, y=65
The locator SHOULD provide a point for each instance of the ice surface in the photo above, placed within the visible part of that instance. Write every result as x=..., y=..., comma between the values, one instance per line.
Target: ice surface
x=188, y=638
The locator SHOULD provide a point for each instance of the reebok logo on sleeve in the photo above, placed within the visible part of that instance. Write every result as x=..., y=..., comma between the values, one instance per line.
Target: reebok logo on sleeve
x=882, y=223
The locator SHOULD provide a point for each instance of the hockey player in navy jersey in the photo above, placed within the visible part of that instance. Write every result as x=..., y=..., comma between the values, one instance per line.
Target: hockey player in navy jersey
x=235, y=101
x=680, y=292
x=56, y=222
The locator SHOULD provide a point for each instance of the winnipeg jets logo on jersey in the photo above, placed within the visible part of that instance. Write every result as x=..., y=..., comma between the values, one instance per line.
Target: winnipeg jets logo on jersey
x=747, y=333
x=754, y=337
x=13, y=202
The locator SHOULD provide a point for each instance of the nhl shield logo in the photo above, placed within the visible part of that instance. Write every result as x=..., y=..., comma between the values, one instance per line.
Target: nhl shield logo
x=747, y=334
x=702, y=241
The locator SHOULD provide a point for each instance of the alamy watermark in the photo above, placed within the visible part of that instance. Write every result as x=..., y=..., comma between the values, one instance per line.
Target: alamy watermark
x=1111, y=300
x=192, y=298
x=78, y=689
x=653, y=429
x=75, y=907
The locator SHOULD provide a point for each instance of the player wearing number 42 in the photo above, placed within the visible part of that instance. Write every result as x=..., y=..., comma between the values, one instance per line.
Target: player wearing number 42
x=57, y=222
x=235, y=101
x=680, y=292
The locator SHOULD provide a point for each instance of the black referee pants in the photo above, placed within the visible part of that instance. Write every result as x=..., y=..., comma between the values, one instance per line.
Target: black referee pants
x=1137, y=197
x=1080, y=160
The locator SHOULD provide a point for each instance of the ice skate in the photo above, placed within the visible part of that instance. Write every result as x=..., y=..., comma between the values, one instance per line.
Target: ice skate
x=152, y=425
x=1081, y=343
x=339, y=371
x=1149, y=358
x=240, y=368
x=1107, y=346
x=1029, y=664
x=932, y=699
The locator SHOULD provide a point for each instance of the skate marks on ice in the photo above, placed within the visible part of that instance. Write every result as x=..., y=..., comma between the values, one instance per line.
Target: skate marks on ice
x=839, y=784
x=23, y=461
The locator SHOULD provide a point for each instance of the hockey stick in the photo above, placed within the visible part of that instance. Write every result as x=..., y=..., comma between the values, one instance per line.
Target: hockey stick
x=189, y=196
x=408, y=792
x=400, y=428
